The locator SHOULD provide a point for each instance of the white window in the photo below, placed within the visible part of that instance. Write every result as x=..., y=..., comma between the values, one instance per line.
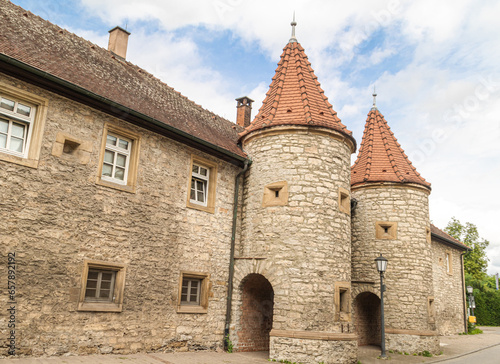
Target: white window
x=116, y=159
x=16, y=124
x=190, y=294
x=199, y=184
x=100, y=285
x=448, y=263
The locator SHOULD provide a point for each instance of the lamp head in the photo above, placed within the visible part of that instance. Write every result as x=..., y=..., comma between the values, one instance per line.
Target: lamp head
x=381, y=264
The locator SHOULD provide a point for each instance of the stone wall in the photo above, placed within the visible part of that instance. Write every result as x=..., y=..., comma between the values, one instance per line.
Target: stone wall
x=314, y=351
x=412, y=344
x=302, y=244
x=409, y=272
x=448, y=289
x=55, y=216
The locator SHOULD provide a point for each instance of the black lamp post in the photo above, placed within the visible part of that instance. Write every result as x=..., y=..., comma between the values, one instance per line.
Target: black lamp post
x=381, y=267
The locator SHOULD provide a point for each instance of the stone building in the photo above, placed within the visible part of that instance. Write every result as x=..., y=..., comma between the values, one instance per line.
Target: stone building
x=140, y=221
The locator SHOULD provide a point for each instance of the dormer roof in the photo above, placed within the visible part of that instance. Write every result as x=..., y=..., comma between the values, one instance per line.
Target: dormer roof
x=381, y=158
x=295, y=97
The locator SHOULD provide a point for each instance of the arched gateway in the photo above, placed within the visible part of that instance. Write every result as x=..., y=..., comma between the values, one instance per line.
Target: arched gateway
x=257, y=301
x=367, y=318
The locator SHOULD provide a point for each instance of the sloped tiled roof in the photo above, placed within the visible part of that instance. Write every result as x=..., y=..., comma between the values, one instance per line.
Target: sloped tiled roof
x=441, y=234
x=44, y=46
x=381, y=158
x=295, y=97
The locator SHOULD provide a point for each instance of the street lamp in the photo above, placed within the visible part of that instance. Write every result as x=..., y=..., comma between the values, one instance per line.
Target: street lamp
x=381, y=267
x=472, y=304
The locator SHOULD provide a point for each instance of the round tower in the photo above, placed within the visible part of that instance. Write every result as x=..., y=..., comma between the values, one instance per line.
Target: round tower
x=391, y=218
x=295, y=226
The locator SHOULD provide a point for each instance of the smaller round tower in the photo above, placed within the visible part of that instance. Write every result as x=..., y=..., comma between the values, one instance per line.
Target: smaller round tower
x=391, y=218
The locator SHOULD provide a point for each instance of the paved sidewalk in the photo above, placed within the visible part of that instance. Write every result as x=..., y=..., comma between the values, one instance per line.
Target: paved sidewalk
x=453, y=347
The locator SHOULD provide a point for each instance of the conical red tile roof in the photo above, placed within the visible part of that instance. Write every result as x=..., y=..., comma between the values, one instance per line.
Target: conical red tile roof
x=381, y=158
x=295, y=97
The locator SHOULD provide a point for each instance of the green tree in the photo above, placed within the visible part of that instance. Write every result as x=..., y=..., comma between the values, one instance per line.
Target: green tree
x=475, y=260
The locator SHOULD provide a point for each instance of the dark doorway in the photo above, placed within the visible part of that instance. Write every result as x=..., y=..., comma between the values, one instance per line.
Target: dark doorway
x=367, y=319
x=256, y=313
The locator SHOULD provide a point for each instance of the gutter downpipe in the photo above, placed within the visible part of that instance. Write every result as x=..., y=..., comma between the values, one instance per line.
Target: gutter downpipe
x=231, y=254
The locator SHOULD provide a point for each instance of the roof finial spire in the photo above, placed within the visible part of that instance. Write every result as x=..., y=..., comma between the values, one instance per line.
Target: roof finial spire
x=293, y=24
x=374, y=99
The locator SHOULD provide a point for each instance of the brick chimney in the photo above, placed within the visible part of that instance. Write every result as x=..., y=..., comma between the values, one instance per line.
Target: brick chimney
x=118, y=40
x=244, y=111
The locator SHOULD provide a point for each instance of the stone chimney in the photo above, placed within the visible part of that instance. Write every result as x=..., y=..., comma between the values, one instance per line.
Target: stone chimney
x=244, y=111
x=118, y=40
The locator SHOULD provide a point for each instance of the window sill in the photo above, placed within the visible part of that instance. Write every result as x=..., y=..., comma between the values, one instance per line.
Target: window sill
x=100, y=307
x=210, y=209
x=191, y=309
x=116, y=186
x=32, y=163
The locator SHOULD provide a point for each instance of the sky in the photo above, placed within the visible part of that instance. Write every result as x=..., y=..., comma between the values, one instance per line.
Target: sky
x=434, y=65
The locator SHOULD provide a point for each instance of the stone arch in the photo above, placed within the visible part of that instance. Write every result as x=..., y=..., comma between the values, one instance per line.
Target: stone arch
x=256, y=318
x=244, y=267
x=357, y=289
x=367, y=318
x=242, y=270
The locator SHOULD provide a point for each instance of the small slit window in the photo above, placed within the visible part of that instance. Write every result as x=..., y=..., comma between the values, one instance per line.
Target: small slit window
x=386, y=230
x=342, y=301
x=431, y=310
x=448, y=263
x=344, y=201
x=275, y=194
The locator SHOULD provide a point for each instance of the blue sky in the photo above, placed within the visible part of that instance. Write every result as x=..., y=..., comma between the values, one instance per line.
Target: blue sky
x=434, y=64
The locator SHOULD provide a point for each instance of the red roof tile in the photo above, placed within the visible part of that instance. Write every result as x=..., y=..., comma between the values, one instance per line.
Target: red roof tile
x=440, y=233
x=381, y=158
x=295, y=97
x=46, y=47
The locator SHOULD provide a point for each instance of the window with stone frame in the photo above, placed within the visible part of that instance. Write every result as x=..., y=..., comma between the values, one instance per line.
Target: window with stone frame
x=119, y=159
x=202, y=184
x=22, y=119
x=193, y=292
x=344, y=201
x=275, y=194
x=386, y=230
x=102, y=287
x=342, y=302
x=199, y=184
x=116, y=158
x=448, y=263
x=431, y=310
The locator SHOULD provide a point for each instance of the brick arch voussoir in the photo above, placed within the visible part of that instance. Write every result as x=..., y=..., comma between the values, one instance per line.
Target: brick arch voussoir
x=253, y=266
x=362, y=289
